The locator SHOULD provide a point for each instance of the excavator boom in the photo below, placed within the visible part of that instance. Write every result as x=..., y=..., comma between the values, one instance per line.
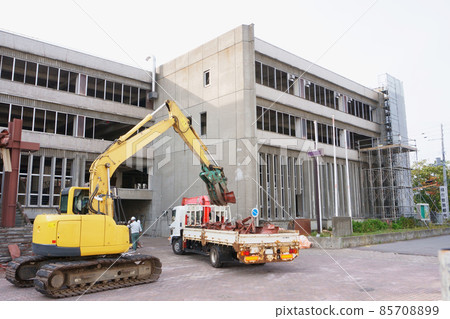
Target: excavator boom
x=104, y=166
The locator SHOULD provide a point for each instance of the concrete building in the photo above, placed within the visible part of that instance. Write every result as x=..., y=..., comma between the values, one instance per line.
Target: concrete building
x=74, y=105
x=262, y=109
x=259, y=108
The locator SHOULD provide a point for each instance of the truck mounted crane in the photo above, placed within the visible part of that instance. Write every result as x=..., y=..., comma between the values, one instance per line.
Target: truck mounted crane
x=82, y=249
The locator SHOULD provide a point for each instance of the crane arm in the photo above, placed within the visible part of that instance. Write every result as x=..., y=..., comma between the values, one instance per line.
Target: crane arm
x=130, y=143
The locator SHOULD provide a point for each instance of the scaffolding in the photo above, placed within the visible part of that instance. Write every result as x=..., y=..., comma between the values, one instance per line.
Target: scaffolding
x=388, y=175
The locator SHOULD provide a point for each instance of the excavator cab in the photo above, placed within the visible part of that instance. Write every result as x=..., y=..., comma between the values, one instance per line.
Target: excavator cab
x=74, y=200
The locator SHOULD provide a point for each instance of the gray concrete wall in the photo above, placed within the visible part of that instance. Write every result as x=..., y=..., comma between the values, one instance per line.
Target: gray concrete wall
x=355, y=241
x=77, y=148
x=230, y=105
x=313, y=69
x=55, y=52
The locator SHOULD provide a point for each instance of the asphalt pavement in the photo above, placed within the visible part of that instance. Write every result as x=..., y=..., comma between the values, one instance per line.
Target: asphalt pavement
x=420, y=247
x=402, y=271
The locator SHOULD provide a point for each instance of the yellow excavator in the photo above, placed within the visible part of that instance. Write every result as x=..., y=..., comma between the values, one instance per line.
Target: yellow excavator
x=82, y=249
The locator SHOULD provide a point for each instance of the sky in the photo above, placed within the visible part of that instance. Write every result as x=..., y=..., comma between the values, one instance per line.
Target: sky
x=358, y=39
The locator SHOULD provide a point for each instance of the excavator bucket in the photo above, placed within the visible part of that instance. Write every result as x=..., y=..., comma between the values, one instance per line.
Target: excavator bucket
x=216, y=184
x=230, y=198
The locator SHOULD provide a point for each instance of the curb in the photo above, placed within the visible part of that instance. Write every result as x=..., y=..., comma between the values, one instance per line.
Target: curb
x=356, y=241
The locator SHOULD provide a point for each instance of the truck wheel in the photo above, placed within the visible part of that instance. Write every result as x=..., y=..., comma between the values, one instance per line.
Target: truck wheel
x=177, y=246
x=215, y=257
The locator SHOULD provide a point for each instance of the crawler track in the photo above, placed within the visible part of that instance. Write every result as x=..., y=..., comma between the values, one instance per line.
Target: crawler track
x=44, y=277
x=62, y=277
x=15, y=273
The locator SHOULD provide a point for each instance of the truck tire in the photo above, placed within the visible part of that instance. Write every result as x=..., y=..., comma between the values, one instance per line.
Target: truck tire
x=215, y=256
x=177, y=246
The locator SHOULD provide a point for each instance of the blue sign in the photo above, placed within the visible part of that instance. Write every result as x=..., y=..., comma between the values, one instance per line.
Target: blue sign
x=255, y=212
x=315, y=153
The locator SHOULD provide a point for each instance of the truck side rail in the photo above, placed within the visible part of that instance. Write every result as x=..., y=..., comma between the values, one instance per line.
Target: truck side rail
x=211, y=236
x=196, y=215
x=230, y=238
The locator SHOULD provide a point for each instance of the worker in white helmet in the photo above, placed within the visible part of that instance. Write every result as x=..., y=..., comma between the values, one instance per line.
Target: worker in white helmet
x=135, y=229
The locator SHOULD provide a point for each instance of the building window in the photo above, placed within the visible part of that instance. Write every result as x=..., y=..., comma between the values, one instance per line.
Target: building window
x=41, y=179
x=34, y=186
x=7, y=68
x=109, y=90
x=203, y=128
x=275, y=184
x=39, y=120
x=269, y=76
x=274, y=121
x=286, y=82
x=261, y=185
x=292, y=120
x=27, y=117
x=118, y=92
x=58, y=79
x=50, y=121
x=259, y=118
x=73, y=78
x=268, y=185
x=100, y=91
x=42, y=75
x=310, y=134
x=206, y=78
x=293, y=85
x=91, y=86
x=16, y=112
x=52, y=78
x=4, y=114
x=134, y=96
x=126, y=94
x=281, y=80
x=19, y=71
x=142, y=98
x=258, y=72
x=63, y=80
x=30, y=77
x=23, y=180
x=57, y=178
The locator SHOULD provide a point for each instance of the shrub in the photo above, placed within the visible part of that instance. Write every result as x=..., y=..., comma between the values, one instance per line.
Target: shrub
x=395, y=226
x=369, y=226
x=405, y=223
x=357, y=226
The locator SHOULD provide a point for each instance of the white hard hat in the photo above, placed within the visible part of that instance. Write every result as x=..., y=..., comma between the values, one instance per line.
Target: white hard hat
x=133, y=218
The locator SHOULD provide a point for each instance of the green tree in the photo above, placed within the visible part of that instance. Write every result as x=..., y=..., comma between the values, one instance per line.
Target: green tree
x=425, y=174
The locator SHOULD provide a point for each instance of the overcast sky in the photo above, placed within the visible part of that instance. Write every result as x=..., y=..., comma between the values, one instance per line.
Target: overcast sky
x=359, y=39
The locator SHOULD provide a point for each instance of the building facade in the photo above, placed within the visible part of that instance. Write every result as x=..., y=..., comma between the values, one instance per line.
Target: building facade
x=74, y=105
x=261, y=111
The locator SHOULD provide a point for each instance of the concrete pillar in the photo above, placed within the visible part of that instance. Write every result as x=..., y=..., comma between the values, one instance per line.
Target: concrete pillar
x=342, y=226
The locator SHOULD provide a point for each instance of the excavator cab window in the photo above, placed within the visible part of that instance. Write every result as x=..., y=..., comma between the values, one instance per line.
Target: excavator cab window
x=80, y=201
x=63, y=204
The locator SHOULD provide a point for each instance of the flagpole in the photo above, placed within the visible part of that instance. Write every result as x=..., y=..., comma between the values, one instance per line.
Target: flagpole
x=336, y=213
x=347, y=176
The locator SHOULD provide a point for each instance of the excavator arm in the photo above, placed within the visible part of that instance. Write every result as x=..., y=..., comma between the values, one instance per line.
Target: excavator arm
x=102, y=169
